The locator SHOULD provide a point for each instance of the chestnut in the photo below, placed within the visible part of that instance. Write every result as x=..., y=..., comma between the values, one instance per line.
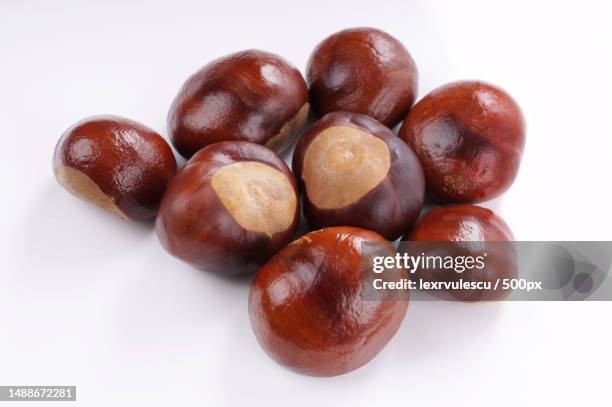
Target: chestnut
x=251, y=95
x=306, y=306
x=116, y=164
x=231, y=207
x=465, y=231
x=355, y=172
x=362, y=70
x=469, y=137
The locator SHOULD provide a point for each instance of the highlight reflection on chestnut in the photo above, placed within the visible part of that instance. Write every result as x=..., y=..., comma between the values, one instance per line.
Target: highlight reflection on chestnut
x=355, y=172
x=117, y=164
x=251, y=96
x=362, y=70
x=306, y=307
x=231, y=207
x=463, y=231
x=469, y=137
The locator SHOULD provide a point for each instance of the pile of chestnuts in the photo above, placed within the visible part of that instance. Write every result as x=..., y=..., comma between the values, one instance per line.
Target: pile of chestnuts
x=235, y=206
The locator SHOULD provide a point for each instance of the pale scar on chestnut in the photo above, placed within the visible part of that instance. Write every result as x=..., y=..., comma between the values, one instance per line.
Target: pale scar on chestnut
x=342, y=164
x=290, y=130
x=80, y=185
x=259, y=197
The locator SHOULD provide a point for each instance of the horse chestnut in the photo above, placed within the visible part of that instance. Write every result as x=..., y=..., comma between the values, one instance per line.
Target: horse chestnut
x=362, y=70
x=247, y=96
x=469, y=137
x=116, y=164
x=355, y=172
x=465, y=231
x=306, y=306
x=231, y=207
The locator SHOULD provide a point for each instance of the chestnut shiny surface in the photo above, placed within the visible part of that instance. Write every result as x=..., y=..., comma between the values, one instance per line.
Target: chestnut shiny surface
x=362, y=70
x=245, y=96
x=195, y=226
x=130, y=163
x=461, y=223
x=306, y=309
x=469, y=137
x=468, y=223
x=389, y=208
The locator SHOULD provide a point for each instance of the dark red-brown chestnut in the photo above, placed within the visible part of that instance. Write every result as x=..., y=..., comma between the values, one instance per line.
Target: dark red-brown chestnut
x=463, y=232
x=362, y=70
x=251, y=96
x=355, y=172
x=116, y=164
x=306, y=305
x=469, y=137
x=231, y=207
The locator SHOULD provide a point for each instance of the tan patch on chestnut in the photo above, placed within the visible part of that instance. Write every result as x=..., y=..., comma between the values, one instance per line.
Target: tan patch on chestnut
x=259, y=197
x=80, y=185
x=342, y=164
x=455, y=183
x=283, y=139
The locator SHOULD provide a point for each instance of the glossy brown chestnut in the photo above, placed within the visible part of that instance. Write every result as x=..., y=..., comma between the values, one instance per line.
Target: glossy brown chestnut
x=449, y=229
x=115, y=163
x=469, y=137
x=355, y=172
x=362, y=70
x=231, y=207
x=306, y=307
x=247, y=96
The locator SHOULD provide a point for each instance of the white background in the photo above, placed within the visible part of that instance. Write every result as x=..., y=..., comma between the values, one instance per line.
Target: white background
x=93, y=301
